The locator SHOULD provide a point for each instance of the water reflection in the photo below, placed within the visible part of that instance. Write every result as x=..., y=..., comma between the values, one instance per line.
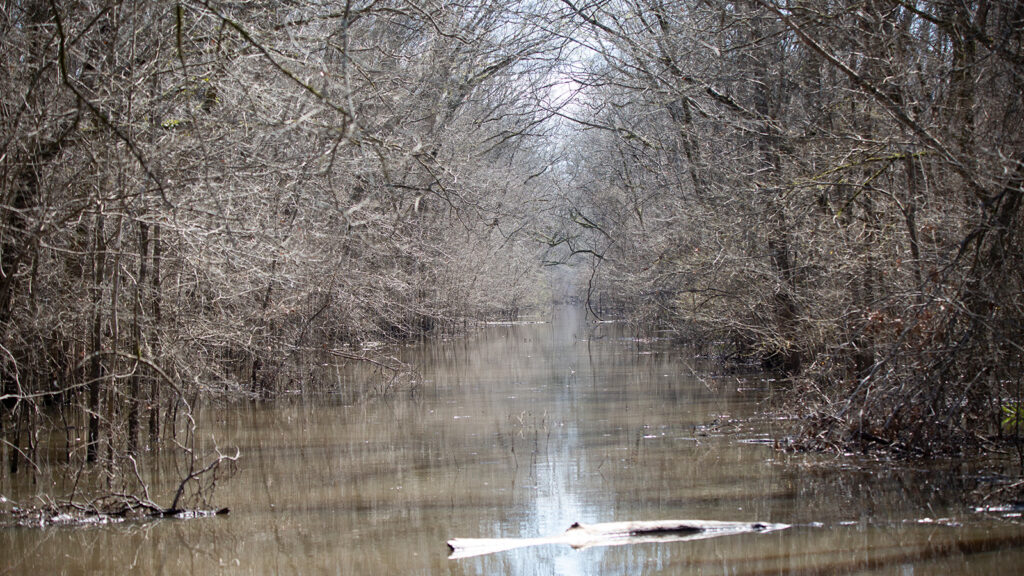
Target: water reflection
x=521, y=431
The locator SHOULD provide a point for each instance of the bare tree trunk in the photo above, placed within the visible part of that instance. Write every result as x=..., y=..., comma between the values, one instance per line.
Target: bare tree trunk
x=154, y=391
x=780, y=252
x=960, y=27
x=914, y=176
x=135, y=382
x=96, y=339
x=112, y=405
x=260, y=379
x=680, y=110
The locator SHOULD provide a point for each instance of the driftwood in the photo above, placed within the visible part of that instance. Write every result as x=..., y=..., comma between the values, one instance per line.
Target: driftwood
x=613, y=534
x=79, y=515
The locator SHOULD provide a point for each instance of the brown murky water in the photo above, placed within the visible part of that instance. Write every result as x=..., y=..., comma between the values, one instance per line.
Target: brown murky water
x=521, y=431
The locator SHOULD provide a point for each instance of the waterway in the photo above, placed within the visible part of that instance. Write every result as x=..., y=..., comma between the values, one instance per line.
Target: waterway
x=519, y=431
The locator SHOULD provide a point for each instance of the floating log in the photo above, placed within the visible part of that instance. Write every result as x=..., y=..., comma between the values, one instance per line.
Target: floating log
x=580, y=536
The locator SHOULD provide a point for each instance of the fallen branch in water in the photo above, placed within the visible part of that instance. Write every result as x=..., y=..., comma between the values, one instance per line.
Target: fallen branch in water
x=111, y=509
x=198, y=481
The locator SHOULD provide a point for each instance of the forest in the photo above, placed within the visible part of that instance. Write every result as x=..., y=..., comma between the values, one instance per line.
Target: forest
x=199, y=197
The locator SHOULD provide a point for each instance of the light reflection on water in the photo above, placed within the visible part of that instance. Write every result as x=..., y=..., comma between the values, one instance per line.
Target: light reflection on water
x=520, y=431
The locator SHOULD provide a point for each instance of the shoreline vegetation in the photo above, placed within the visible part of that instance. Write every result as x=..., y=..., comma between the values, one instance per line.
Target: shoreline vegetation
x=205, y=199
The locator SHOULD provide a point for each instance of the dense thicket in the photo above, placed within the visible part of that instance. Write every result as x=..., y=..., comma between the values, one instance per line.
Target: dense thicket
x=833, y=187
x=197, y=195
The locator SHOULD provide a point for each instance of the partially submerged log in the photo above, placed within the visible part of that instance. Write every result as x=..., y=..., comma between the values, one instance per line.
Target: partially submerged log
x=77, y=515
x=581, y=536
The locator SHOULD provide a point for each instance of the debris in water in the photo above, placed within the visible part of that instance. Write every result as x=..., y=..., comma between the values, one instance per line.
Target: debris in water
x=580, y=536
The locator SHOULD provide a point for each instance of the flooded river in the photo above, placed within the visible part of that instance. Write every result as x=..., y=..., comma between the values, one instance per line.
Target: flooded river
x=519, y=431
